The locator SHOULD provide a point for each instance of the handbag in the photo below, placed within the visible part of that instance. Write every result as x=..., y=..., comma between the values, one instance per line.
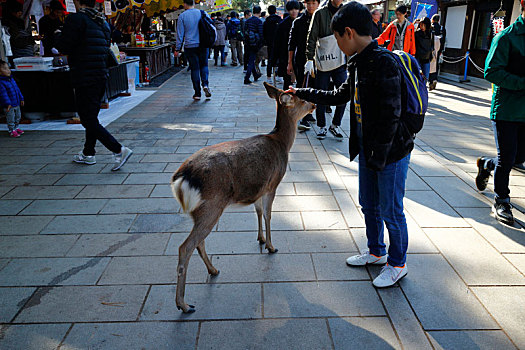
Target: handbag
x=328, y=56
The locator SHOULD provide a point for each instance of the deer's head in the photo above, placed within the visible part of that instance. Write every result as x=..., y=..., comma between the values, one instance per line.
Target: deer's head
x=289, y=104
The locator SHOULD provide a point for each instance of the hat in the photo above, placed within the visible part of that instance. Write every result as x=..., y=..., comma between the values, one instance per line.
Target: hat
x=56, y=5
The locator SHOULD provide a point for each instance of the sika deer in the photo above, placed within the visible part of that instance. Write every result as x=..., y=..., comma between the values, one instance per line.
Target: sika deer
x=242, y=172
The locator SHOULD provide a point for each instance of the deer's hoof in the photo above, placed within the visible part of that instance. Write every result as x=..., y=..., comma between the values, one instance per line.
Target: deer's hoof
x=261, y=241
x=272, y=250
x=215, y=273
x=187, y=309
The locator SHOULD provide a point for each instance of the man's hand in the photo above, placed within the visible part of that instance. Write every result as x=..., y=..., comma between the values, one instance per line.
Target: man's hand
x=309, y=68
x=291, y=90
x=8, y=108
x=22, y=103
x=289, y=69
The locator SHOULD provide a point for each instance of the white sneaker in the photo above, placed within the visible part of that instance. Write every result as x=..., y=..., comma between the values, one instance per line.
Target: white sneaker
x=269, y=80
x=389, y=276
x=365, y=259
x=279, y=80
x=121, y=158
x=82, y=159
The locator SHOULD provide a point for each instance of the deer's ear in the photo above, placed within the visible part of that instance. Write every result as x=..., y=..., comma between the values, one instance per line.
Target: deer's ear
x=272, y=91
x=286, y=99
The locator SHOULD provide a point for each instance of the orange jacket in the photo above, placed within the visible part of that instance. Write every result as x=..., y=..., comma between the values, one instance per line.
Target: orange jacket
x=409, y=44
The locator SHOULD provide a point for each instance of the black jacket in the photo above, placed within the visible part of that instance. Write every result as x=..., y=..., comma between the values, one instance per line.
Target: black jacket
x=280, y=46
x=386, y=138
x=47, y=27
x=377, y=29
x=269, y=29
x=424, y=46
x=86, y=42
x=439, y=30
x=298, y=37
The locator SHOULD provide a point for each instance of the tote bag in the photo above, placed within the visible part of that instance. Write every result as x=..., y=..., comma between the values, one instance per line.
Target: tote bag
x=328, y=56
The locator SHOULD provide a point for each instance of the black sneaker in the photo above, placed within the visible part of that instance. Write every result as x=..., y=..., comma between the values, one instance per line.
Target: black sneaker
x=207, y=91
x=328, y=109
x=503, y=212
x=336, y=131
x=257, y=77
x=247, y=81
x=304, y=125
x=196, y=97
x=482, y=179
x=321, y=135
x=309, y=118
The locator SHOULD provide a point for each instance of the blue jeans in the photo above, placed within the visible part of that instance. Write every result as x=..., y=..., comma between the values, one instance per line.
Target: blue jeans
x=511, y=150
x=322, y=81
x=425, y=68
x=198, y=59
x=381, y=197
x=252, y=55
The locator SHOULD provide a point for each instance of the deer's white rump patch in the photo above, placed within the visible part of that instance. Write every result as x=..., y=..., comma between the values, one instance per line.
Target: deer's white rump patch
x=188, y=197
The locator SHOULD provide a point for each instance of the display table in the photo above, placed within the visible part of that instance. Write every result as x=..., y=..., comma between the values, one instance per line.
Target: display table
x=52, y=92
x=157, y=58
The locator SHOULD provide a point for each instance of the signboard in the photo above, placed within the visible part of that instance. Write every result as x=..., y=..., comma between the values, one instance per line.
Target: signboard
x=455, y=26
x=423, y=8
x=70, y=6
x=107, y=8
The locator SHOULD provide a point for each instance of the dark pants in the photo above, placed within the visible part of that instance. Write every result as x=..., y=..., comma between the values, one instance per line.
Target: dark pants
x=322, y=80
x=510, y=150
x=300, y=78
x=198, y=60
x=216, y=51
x=269, y=67
x=88, y=105
x=246, y=55
x=252, y=55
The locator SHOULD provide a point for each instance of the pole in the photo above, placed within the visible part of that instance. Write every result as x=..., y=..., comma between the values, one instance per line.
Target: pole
x=465, y=79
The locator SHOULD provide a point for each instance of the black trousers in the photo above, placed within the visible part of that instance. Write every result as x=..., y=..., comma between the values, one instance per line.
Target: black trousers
x=269, y=67
x=88, y=106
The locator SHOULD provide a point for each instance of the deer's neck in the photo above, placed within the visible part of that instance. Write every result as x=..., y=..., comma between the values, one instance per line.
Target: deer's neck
x=284, y=130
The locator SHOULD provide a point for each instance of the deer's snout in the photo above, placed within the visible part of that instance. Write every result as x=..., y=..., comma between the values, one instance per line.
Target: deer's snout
x=312, y=107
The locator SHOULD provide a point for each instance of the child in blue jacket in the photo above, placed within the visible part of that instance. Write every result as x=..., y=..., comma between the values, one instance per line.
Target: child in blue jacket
x=11, y=100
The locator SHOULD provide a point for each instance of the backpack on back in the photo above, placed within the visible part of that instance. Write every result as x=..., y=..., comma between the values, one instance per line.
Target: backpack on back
x=207, y=31
x=234, y=31
x=415, y=91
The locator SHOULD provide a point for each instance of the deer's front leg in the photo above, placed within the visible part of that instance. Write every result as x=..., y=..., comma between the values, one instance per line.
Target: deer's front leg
x=259, y=209
x=267, y=204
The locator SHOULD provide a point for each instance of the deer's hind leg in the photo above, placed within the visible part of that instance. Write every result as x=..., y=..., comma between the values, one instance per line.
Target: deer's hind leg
x=267, y=201
x=259, y=209
x=202, y=252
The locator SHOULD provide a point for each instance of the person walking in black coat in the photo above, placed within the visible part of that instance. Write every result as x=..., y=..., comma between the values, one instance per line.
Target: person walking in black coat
x=85, y=38
x=377, y=26
x=424, y=46
x=269, y=30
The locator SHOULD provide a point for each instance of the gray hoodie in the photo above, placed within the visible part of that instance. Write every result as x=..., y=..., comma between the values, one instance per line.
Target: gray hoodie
x=221, y=33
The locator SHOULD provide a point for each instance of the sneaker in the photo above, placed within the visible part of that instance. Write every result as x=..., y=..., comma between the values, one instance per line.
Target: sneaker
x=20, y=131
x=309, y=118
x=121, y=158
x=234, y=64
x=482, y=179
x=247, y=81
x=503, y=213
x=257, y=77
x=336, y=131
x=196, y=97
x=269, y=80
x=328, y=109
x=366, y=259
x=82, y=159
x=244, y=71
x=279, y=80
x=432, y=85
x=321, y=135
x=389, y=276
x=517, y=166
x=304, y=125
x=207, y=91
x=14, y=133
x=224, y=64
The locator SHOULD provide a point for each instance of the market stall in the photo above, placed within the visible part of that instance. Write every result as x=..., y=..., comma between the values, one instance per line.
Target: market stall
x=155, y=59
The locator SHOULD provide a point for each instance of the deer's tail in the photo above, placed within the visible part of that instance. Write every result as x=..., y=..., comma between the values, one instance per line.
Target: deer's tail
x=188, y=196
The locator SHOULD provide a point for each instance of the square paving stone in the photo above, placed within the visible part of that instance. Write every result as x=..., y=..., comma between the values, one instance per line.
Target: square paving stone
x=248, y=221
x=473, y=258
x=263, y=268
x=20, y=169
x=138, y=168
x=52, y=271
x=12, y=300
x=507, y=305
x=363, y=332
x=298, y=166
x=44, y=192
x=465, y=340
x=162, y=223
x=71, y=168
x=35, y=246
x=311, y=189
x=518, y=260
x=151, y=270
x=5, y=189
x=23, y=225
x=304, y=203
x=212, y=301
x=350, y=210
x=32, y=337
x=64, y=207
x=148, y=178
x=29, y=180
x=220, y=243
x=115, y=191
x=415, y=183
x=139, y=335
x=425, y=165
x=456, y=192
x=321, y=299
x=84, y=304
x=323, y=220
x=162, y=191
x=12, y=206
x=120, y=244
x=304, y=176
x=429, y=210
x=313, y=241
x=92, y=179
x=293, y=334
x=142, y=206
x=332, y=267
x=439, y=310
x=89, y=224
x=3, y=263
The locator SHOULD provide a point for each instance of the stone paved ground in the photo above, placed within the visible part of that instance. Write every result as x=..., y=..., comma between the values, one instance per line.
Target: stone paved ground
x=88, y=257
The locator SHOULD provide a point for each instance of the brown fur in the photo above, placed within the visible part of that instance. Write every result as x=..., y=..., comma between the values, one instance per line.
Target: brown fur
x=244, y=172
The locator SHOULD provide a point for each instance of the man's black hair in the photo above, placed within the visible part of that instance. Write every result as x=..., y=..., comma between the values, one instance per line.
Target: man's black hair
x=402, y=9
x=233, y=14
x=56, y=5
x=189, y=2
x=88, y=3
x=2, y=63
x=272, y=10
x=14, y=7
x=292, y=5
x=353, y=15
x=263, y=13
x=257, y=9
x=247, y=13
x=436, y=18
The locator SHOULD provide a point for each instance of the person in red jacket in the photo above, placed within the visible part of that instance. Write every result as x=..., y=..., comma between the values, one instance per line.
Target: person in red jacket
x=400, y=33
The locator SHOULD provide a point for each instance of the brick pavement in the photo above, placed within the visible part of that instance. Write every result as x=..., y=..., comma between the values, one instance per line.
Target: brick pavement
x=88, y=257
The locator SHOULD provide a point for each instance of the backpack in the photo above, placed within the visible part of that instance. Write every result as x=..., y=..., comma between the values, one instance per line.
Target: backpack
x=415, y=91
x=252, y=38
x=207, y=31
x=234, y=31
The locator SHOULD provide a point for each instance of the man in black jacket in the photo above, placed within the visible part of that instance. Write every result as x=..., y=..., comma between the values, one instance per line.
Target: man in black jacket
x=282, y=36
x=85, y=38
x=269, y=30
x=378, y=134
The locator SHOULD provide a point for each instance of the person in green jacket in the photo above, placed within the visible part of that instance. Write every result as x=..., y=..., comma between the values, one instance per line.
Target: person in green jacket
x=505, y=68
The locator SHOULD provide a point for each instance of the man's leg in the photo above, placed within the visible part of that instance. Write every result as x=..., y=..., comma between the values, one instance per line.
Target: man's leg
x=233, y=44
x=269, y=65
x=192, y=55
x=240, y=53
x=203, y=67
x=322, y=79
x=250, y=65
x=506, y=136
x=339, y=76
x=10, y=117
x=391, y=184
x=246, y=57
